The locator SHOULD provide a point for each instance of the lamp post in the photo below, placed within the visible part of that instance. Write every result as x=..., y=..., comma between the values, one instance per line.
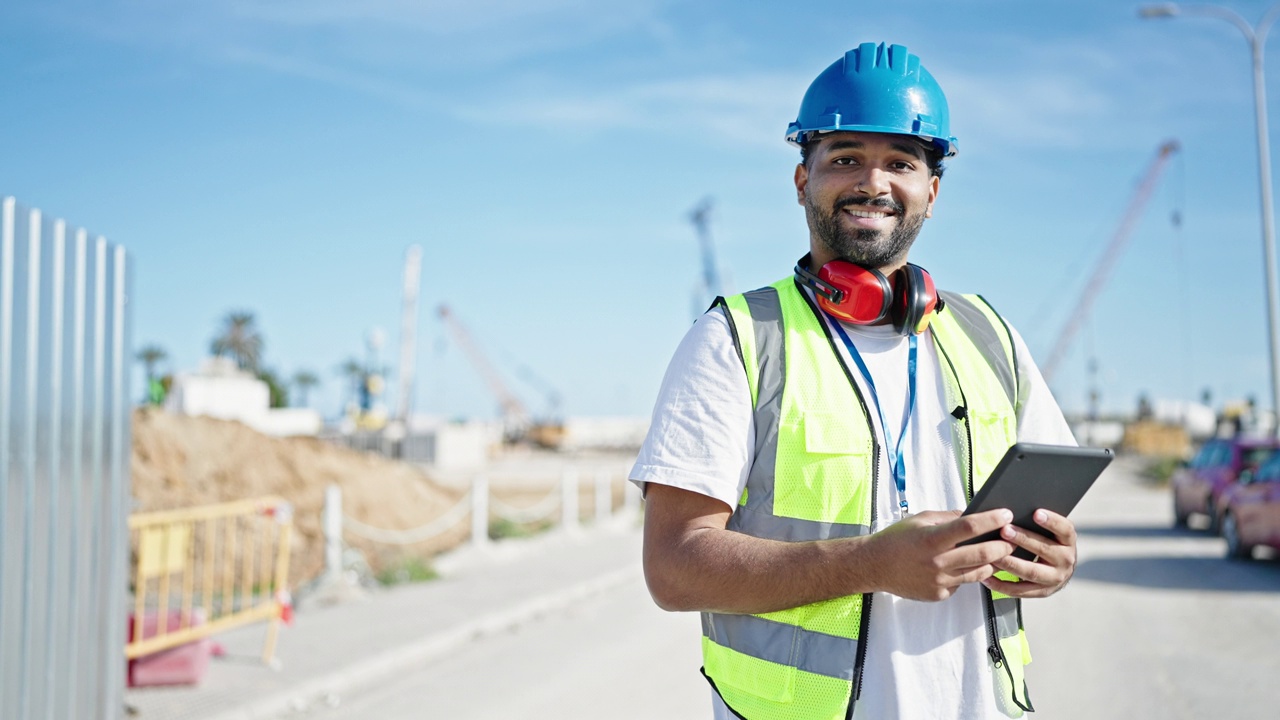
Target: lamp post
x=1257, y=39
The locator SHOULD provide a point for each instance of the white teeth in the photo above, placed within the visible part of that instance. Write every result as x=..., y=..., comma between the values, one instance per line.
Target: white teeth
x=867, y=214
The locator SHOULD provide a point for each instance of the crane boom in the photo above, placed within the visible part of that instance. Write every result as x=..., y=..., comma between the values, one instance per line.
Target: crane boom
x=514, y=413
x=1107, y=262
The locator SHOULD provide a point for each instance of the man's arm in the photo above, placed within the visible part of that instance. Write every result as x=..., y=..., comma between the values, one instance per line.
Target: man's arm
x=692, y=562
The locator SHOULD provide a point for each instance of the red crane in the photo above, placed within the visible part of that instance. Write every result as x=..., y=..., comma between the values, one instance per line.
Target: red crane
x=517, y=424
x=515, y=417
x=1108, y=259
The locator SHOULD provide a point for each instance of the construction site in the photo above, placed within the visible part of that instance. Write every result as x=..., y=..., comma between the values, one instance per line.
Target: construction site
x=241, y=511
x=330, y=409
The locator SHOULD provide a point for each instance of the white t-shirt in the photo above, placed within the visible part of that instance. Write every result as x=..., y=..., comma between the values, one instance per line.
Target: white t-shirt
x=924, y=660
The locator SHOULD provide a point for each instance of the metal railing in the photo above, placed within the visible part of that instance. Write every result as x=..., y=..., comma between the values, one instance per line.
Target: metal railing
x=412, y=447
x=64, y=468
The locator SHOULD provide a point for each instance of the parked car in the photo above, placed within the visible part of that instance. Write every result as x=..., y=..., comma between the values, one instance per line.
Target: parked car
x=1250, y=510
x=1198, y=487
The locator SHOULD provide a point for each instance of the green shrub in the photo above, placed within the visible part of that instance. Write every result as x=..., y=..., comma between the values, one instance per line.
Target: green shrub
x=1160, y=470
x=408, y=569
x=501, y=528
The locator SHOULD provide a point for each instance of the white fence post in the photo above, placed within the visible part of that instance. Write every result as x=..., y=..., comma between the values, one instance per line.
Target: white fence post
x=569, y=501
x=480, y=511
x=604, y=496
x=333, y=531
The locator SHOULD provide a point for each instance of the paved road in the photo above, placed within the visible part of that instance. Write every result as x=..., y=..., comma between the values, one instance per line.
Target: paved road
x=581, y=663
x=1155, y=625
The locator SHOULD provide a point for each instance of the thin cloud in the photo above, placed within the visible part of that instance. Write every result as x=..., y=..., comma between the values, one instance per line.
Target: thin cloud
x=1073, y=94
x=370, y=84
x=751, y=109
x=400, y=35
x=439, y=17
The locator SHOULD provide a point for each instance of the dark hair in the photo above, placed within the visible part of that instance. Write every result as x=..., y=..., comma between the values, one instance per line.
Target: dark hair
x=932, y=154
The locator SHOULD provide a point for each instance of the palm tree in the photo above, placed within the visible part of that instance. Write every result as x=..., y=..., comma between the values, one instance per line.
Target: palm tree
x=353, y=371
x=240, y=340
x=304, y=380
x=150, y=356
x=277, y=390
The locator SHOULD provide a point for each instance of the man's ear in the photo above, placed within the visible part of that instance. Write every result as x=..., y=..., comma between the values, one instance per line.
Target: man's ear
x=802, y=180
x=934, y=183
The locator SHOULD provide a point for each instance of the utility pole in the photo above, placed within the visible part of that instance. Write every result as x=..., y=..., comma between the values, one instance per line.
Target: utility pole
x=408, y=335
x=700, y=216
x=1256, y=36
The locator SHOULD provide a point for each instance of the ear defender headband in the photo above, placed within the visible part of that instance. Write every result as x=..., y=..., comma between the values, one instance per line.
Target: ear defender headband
x=864, y=296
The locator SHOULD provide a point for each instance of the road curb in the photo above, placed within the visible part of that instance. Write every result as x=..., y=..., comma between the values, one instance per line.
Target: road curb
x=320, y=691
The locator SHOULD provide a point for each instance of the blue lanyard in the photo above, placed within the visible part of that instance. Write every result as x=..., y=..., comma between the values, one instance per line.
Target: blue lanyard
x=899, y=464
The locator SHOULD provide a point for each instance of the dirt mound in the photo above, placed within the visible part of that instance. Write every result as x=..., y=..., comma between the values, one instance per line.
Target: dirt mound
x=181, y=461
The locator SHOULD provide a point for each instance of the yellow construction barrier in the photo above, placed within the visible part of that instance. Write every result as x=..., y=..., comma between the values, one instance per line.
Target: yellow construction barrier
x=199, y=571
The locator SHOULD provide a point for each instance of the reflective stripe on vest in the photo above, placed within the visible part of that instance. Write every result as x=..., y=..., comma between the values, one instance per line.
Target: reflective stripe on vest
x=813, y=477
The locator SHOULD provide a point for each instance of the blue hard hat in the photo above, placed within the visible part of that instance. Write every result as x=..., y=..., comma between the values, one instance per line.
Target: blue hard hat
x=876, y=88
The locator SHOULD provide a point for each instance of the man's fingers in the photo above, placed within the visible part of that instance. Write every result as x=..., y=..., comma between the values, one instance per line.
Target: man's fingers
x=1018, y=589
x=1032, y=541
x=970, y=526
x=966, y=557
x=1039, y=545
x=1061, y=527
x=977, y=574
x=1055, y=563
x=1028, y=571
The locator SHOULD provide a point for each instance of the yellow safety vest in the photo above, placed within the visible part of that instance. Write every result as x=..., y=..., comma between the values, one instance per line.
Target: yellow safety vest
x=812, y=478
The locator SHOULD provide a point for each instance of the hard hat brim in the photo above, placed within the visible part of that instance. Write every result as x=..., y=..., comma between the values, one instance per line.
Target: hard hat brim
x=797, y=137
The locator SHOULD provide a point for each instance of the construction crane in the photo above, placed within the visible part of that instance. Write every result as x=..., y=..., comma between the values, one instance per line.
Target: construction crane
x=700, y=216
x=549, y=392
x=516, y=422
x=1108, y=260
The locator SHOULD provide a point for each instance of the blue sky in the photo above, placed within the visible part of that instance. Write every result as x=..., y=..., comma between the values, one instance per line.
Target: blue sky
x=280, y=156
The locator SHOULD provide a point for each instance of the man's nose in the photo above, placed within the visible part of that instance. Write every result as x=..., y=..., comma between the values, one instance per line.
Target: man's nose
x=874, y=183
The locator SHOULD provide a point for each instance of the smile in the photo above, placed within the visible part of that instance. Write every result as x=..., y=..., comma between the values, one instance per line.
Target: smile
x=871, y=214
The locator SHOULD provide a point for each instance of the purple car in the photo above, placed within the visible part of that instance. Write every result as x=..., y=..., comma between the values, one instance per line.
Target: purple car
x=1198, y=486
x=1250, y=510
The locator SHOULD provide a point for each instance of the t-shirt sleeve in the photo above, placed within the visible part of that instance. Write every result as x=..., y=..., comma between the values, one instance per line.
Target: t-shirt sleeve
x=1040, y=419
x=702, y=431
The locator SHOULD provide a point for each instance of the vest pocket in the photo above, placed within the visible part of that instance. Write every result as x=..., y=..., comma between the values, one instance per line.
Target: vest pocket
x=827, y=469
x=990, y=430
x=834, y=434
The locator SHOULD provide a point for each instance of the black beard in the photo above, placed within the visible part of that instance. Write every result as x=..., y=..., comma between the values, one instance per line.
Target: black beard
x=868, y=248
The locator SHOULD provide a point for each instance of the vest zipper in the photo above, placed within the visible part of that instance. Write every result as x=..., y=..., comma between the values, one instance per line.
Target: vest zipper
x=988, y=605
x=865, y=621
x=997, y=653
x=993, y=634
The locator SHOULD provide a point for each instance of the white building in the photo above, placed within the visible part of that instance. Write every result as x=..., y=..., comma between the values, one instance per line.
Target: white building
x=219, y=389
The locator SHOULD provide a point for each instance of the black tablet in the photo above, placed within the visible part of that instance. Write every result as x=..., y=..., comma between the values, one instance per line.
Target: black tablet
x=1030, y=477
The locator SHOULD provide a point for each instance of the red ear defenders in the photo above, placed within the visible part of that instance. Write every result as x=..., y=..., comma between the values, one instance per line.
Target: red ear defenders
x=864, y=296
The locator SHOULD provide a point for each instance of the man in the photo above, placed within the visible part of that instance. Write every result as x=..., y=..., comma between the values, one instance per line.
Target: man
x=814, y=442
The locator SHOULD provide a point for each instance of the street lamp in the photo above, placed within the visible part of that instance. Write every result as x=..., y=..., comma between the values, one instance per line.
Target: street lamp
x=1257, y=39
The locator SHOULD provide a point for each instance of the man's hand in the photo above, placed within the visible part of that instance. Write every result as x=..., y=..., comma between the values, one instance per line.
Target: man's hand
x=1053, y=566
x=692, y=562
x=919, y=559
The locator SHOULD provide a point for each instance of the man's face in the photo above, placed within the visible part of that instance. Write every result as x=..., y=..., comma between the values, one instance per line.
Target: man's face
x=865, y=196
